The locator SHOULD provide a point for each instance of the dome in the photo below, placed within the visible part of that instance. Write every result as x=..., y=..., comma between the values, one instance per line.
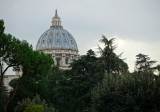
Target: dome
x=59, y=43
x=56, y=37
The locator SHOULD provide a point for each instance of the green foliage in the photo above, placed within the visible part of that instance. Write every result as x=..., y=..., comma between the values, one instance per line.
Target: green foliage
x=34, y=108
x=143, y=63
x=86, y=65
x=127, y=93
x=72, y=94
x=70, y=90
x=109, y=60
x=13, y=82
x=16, y=53
x=21, y=56
x=28, y=88
x=21, y=106
x=120, y=66
x=1, y=27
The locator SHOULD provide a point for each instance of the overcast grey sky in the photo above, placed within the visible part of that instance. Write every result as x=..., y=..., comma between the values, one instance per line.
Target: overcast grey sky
x=135, y=23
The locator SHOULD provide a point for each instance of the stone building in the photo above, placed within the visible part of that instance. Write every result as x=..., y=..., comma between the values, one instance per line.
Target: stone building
x=59, y=43
x=8, y=78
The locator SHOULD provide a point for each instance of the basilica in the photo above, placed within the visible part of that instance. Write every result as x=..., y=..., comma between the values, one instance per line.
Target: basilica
x=55, y=41
x=59, y=43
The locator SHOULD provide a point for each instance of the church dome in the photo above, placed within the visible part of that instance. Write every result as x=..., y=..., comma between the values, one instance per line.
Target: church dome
x=56, y=37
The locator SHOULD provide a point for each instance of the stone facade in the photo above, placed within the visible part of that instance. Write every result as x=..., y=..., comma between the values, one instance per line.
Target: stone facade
x=8, y=78
x=62, y=57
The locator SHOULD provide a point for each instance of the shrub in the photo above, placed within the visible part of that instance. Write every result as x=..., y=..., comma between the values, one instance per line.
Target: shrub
x=21, y=106
x=34, y=108
x=137, y=92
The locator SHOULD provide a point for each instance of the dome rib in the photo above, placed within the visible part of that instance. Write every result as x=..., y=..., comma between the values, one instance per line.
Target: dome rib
x=60, y=37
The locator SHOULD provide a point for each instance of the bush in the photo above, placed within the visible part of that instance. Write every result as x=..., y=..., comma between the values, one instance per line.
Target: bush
x=21, y=106
x=127, y=93
x=34, y=108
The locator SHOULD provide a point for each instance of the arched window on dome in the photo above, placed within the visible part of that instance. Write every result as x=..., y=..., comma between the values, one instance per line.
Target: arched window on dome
x=43, y=43
x=51, y=33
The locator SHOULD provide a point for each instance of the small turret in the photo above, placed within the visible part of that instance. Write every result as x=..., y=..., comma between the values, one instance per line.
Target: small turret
x=56, y=20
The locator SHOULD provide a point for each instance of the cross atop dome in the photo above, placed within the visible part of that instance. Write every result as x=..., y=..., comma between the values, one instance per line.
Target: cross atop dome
x=56, y=20
x=56, y=13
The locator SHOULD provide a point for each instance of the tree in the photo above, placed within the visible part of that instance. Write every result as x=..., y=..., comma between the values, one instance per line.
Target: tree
x=16, y=53
x=120, y=66
x=72, y=94
x=86, y=65
x=143, y=63
x=70, y=89
x=68, y=92
x=137, y=92
x=111, y=62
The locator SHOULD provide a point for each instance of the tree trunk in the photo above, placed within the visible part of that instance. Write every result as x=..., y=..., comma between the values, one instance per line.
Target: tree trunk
x=4, y=101
x=3, y=88
x=3, y=94
x=15, y=90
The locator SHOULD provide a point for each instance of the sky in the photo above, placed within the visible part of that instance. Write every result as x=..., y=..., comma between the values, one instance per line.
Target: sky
x=134, y=23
